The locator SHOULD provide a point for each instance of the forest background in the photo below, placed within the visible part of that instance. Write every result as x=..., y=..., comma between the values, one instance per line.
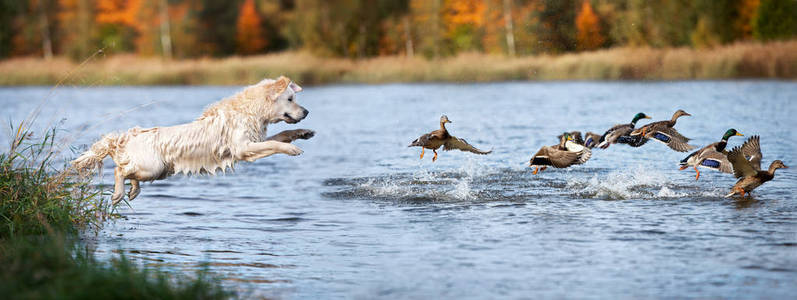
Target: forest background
x=316, y=41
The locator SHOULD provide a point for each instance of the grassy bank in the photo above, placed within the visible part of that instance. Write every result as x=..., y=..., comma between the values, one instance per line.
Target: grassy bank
x=741, y=60
x=42, y=213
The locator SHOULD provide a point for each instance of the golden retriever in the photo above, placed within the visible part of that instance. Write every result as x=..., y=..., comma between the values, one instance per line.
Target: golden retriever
x=228, y=131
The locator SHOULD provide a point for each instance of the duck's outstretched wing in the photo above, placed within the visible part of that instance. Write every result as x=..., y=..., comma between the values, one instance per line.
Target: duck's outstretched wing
x=551, y=156
x=741, y=166
x=751, y=149
x=671, y=138
x=583, y=152
x=460, y=144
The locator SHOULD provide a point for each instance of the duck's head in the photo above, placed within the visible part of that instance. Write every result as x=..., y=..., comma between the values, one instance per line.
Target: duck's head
x=777, y=164
x=731, y=132
x=444, y=119
x=640, y=116
x=680, y=113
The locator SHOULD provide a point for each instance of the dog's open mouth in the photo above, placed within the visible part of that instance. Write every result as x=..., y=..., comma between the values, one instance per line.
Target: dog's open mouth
x=289, y=119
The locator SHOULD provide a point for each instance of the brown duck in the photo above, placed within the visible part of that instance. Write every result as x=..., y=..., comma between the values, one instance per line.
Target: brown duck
x=746, y=161
x=441, y=137
x=664, y=132
x=562, y=155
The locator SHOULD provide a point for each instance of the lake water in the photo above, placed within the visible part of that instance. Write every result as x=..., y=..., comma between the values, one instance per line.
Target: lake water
x=358, y=215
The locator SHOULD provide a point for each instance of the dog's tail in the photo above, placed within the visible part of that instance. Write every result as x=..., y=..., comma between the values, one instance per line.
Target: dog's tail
x=92, y=159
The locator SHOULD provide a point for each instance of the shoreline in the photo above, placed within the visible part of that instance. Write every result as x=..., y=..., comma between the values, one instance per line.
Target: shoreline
x=747, y=60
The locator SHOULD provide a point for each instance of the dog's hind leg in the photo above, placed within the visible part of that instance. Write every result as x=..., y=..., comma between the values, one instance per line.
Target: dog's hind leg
x=255, y=151
x=119, y=186
x=134, y=190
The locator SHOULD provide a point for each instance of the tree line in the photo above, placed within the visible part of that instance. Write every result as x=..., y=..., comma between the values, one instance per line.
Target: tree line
x=368, y=28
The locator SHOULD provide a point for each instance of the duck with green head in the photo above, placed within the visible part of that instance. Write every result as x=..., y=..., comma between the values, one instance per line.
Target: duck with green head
x=617, y=133
x=712, y=156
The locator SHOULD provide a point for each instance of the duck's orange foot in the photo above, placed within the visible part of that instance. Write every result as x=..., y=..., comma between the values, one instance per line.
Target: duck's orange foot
x=683, y=168
x=536, y=169
x=698, y=174
x=435, y=156
x=422, y=150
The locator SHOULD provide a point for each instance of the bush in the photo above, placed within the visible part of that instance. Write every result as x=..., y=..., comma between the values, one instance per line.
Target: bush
x=42, y=213
x=775, y=19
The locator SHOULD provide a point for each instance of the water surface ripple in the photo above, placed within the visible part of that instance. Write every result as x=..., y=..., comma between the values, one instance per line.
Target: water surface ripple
x=358, y=215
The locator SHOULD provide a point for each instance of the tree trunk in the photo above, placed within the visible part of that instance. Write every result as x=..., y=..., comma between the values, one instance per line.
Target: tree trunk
x=408, y=37
x=166, y=36
x=47, y=43
x=510, y=33
x=436, y=33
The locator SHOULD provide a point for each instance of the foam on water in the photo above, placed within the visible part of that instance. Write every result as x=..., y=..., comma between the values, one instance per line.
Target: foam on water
x=638, y=182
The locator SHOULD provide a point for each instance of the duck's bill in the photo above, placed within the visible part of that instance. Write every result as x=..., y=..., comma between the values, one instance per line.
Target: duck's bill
x=739, y=134
x=646, y=117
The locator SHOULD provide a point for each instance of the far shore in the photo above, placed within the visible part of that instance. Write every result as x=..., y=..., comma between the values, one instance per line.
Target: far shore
x=750, y=60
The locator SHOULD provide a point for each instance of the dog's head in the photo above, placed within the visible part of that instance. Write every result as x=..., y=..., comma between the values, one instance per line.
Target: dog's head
x=281, y=94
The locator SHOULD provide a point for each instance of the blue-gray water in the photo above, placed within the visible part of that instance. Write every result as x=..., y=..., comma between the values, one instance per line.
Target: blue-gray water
x=358, y=215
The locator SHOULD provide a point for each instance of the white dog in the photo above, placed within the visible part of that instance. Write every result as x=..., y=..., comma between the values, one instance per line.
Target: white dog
x=228, y=131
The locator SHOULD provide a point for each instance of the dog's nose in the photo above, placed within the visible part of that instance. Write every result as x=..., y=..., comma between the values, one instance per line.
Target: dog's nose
x=306, y=112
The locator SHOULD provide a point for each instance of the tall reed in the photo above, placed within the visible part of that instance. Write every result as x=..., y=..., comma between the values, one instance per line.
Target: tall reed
x=42, y=213
x=739, y=60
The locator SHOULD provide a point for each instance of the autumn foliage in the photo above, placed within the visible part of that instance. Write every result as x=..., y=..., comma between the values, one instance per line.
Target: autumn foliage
x=249, y=30
x=366, y=28
x=589, y=30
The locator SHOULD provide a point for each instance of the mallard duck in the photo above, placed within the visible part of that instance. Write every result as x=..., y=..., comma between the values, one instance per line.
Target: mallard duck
x=613, y=134
x=746, y=161
x=712, y=156
x=562, y=155
x=574, y=135
x=440, y=137
x=664, y=132
x=591, y=139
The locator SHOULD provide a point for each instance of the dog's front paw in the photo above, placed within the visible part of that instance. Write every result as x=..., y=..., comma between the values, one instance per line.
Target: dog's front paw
x=305, y=134
x=292, y=150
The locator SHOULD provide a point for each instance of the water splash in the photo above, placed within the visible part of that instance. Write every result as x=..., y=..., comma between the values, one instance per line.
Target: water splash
x=638, y=182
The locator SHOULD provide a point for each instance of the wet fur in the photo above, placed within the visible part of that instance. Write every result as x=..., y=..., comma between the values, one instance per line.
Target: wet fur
x=228, y=131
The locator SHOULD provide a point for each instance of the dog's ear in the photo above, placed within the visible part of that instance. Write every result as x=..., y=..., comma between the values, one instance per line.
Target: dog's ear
x=295, y=87
x=276, y=88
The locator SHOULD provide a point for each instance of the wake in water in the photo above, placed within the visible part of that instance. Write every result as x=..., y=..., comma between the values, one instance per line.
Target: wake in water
x=474, y=182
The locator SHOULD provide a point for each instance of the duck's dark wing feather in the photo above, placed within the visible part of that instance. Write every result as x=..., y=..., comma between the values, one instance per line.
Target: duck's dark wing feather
x=669, y=136
x=741, y=166
x=460, y=144
x=751, y=149
x=551, y=156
